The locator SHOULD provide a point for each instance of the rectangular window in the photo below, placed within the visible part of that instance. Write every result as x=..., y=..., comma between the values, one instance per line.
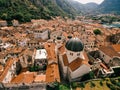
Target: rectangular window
x=78, y=54
x=71, y=54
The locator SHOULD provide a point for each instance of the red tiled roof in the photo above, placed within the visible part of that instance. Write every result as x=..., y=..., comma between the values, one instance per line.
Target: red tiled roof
x=7, y=67
x=116, y=47
x=50, y=48
x=61, y=49
x=52, y=73
x=109, y=51
x=40, y=78
x=75, y=64
x=65, y=60
x=27, y=77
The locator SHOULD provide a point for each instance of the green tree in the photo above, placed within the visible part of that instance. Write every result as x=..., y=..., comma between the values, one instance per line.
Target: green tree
x=18, y=16
x=82, y=85
x=101, y=82
x=4, y=16
x=92, y=84
x=113, y=81
x=56, y=85
x=111, y=86
x=119, y=79
x=91, y=75
x=74, y=85
x=88, y=76
x=27, y=17
x=97, y=32
x=63, y=87
x=31, y=69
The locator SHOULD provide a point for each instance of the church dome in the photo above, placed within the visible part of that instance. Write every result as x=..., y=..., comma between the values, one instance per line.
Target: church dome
x=74, y=45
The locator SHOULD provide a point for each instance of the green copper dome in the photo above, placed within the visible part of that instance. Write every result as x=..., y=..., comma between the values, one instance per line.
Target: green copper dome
x=74, y=45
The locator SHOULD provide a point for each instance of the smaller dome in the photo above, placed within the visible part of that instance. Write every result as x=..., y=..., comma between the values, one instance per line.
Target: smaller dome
x=74, y=45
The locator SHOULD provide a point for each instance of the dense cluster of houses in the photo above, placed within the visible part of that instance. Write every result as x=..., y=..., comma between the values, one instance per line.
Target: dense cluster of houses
x=37, y=52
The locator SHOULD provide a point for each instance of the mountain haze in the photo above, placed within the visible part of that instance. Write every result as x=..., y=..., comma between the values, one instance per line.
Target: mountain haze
x=106, y=7
x=109, y=6
x=83, y=8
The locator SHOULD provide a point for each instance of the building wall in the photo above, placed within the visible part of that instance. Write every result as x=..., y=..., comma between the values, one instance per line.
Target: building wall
x=73, y=55
x=105, y=57
x=62, y=66
x=23, y=61
x=43, y=35
x=10, y=73
x=3, y=60
x=3, y=23
x=83, y=69
x=23, y=43
x=58, y=43
x=89, y=45
x=35, y=44
x=15, y=23
x=115, y=61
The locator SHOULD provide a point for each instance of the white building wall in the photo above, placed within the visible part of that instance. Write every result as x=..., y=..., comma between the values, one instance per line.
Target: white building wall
x=74, y=56
x=15, y=23
x=64, y=68
x=23, y=42
x=22, y=61
x=83, y=69
x=9, y=75
x=43, y=35
x=3, y=23
x=105, y=57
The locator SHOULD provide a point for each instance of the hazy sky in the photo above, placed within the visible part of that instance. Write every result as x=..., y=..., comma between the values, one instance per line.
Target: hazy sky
x=87, y=1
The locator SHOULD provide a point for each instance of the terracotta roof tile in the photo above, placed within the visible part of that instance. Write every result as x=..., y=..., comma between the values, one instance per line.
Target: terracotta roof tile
x=116, y=47
x=109, y=51
x=3, y=55
x=75, y=64
x=52, y=73
x=1, y=69
x=27, y=52
x=50, y=48
x=65, y=34
x=61, y=49
x=18, y=79
x=16, y=50
x=7, y=67
x=27, y=77
x=65, y=60
x=40, y=78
